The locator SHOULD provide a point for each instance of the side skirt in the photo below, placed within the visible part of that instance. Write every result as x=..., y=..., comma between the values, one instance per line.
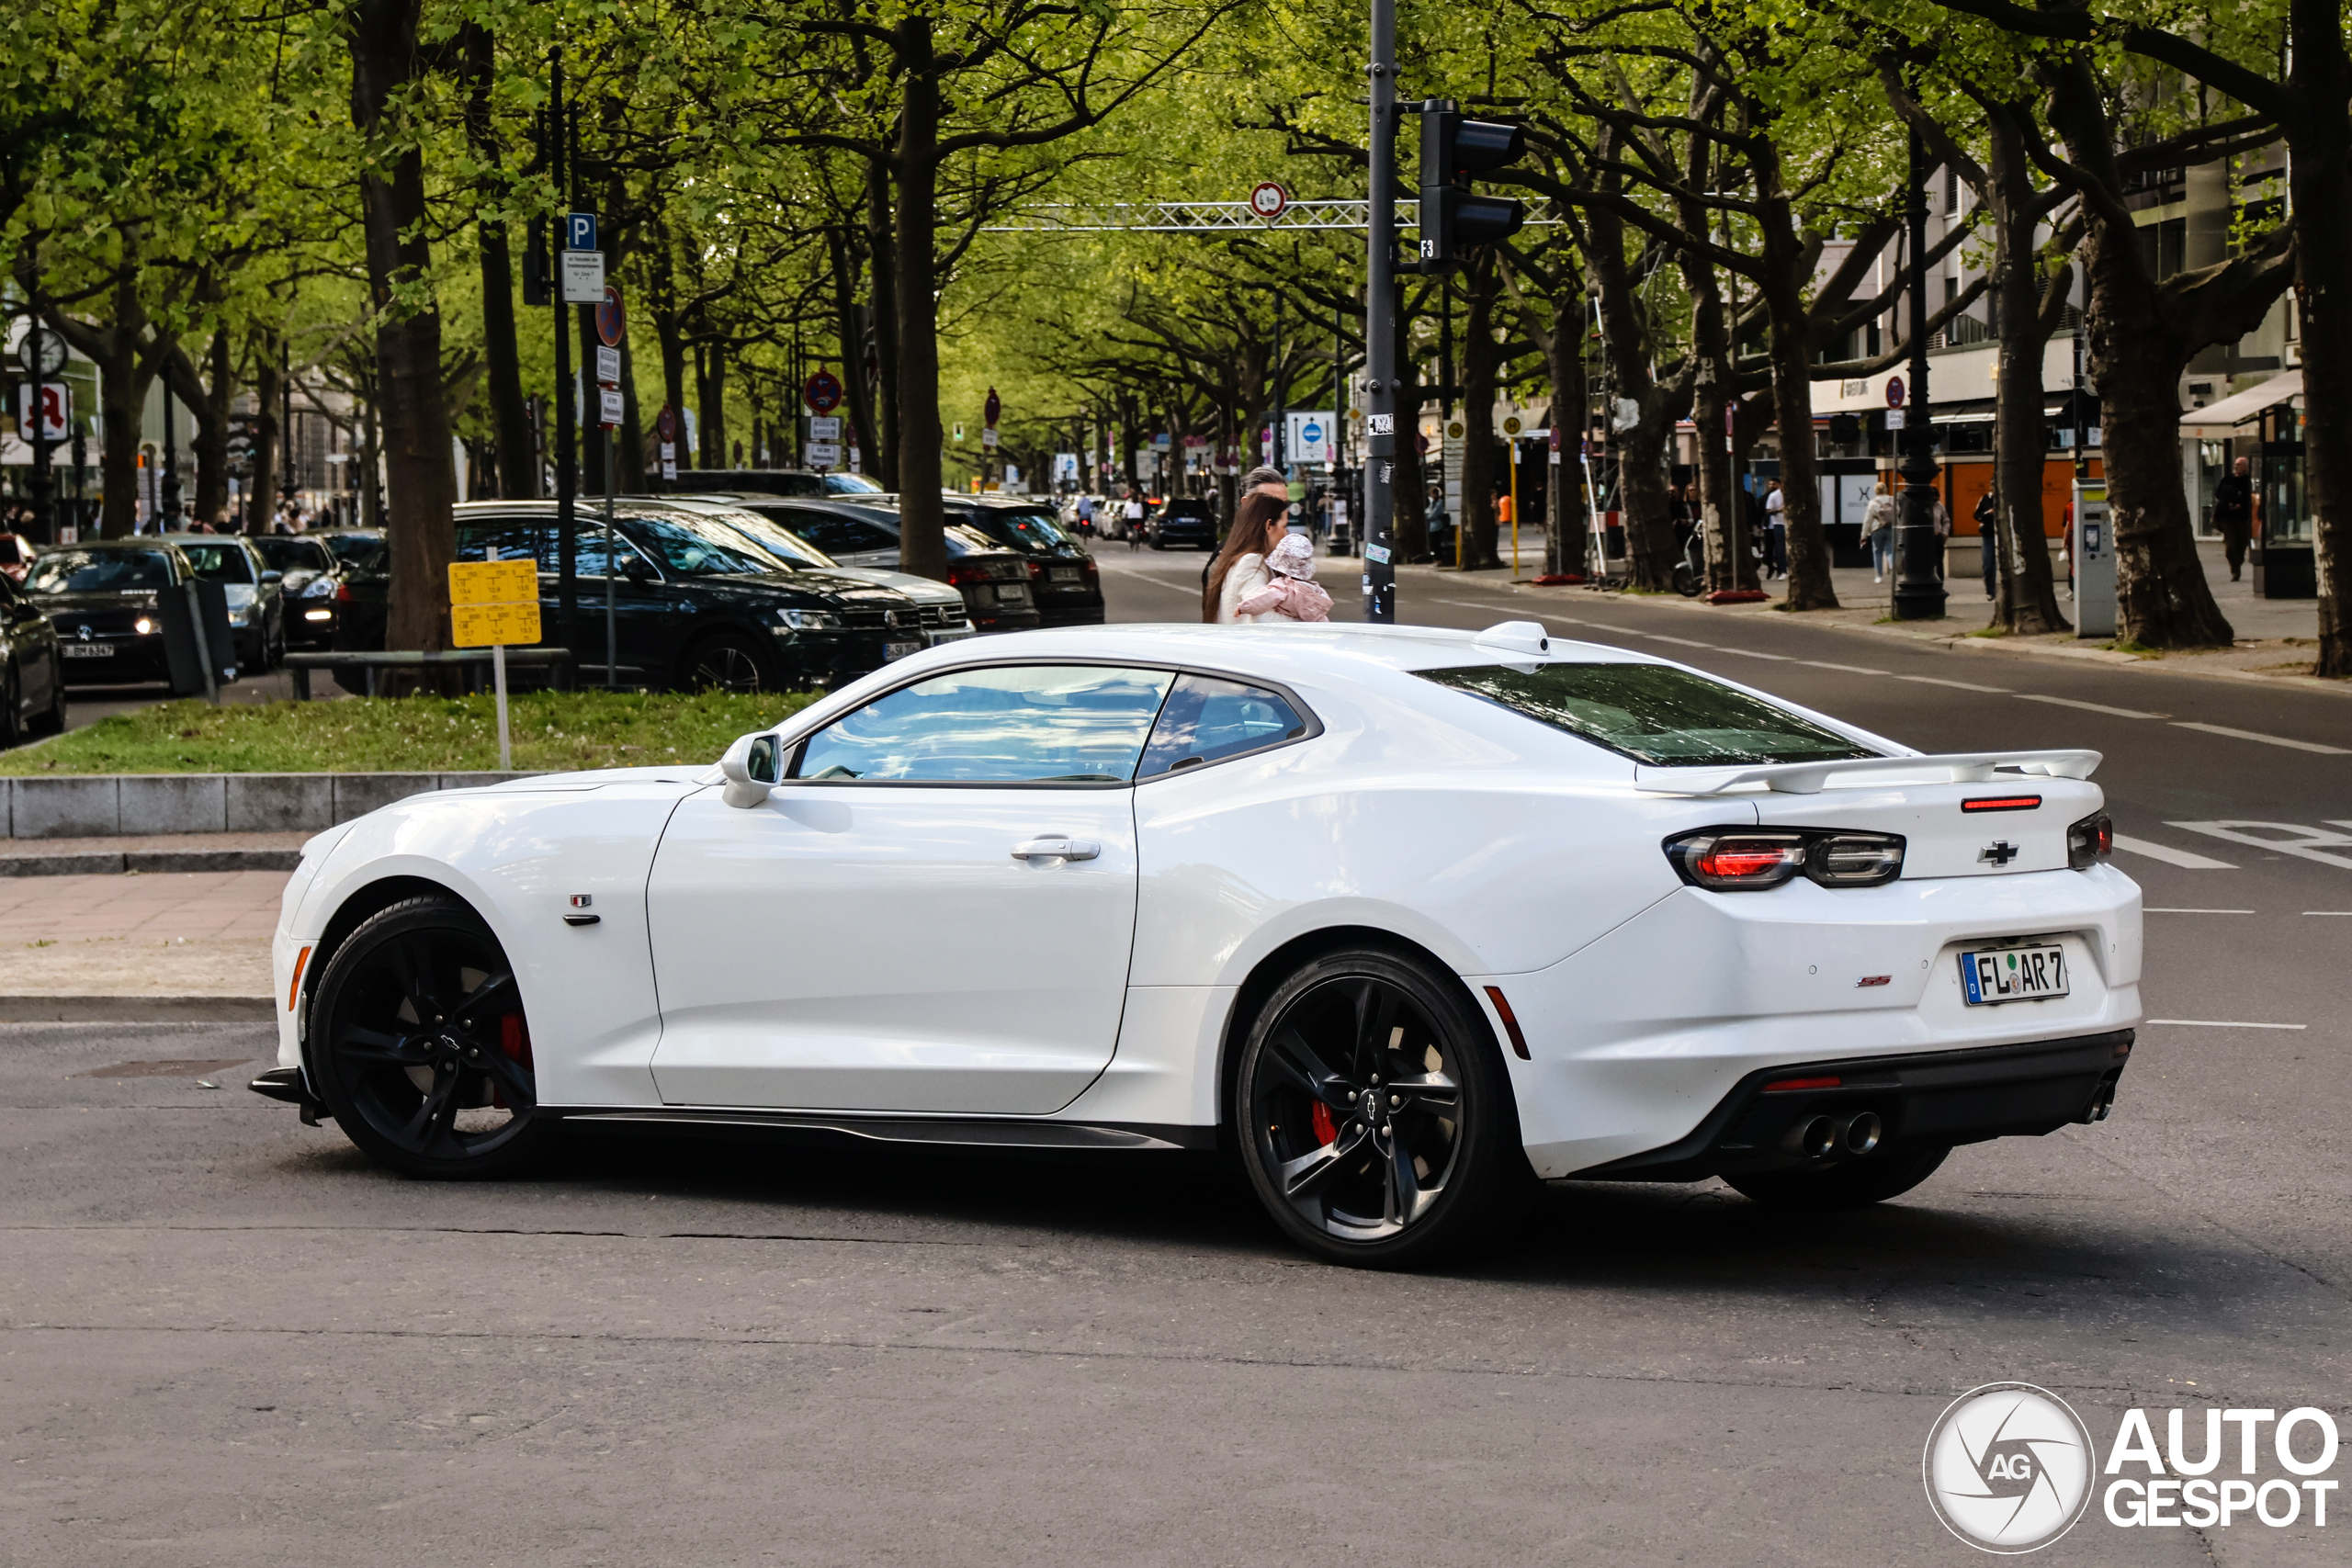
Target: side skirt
x=943, y=1132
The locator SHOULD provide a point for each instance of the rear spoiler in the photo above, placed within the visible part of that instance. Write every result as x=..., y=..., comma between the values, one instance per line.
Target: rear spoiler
x=1812, y=778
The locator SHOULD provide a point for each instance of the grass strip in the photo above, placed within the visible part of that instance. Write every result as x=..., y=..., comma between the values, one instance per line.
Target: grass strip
x=559, y=732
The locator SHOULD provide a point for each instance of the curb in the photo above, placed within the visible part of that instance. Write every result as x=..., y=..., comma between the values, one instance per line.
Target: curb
x=138, y=1009
x=156, y=862
x=100, y=806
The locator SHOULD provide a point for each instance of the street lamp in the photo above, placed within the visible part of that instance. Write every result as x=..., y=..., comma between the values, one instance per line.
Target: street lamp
x=1918, y=591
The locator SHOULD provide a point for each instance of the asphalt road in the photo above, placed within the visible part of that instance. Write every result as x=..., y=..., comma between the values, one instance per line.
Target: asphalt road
x=225, y=1338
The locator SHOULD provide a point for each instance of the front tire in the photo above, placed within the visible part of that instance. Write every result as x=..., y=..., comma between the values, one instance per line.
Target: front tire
x=1851, y=1184
x=729, y=661
x=1375, y=1118
x=419, y=1045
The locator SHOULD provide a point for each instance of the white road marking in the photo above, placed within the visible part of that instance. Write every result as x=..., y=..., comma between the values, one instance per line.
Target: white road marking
x=2304, y=846
x=2171, y=856
x=1849, y=668
x=1754, y=653
x=2197, y=912
x=2265, y=740
x=2222, y=1023
x=1962, y=685
x=2088, y=708
x=1685, y=641
x=2347, y=913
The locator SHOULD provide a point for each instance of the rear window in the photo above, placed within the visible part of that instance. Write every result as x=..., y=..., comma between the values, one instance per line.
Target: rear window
x=1031, y=531
x=1651, y=714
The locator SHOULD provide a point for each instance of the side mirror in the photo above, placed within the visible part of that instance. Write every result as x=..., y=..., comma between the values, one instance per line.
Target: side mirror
x=272, y=576
x=635, y=570
x=750, y=765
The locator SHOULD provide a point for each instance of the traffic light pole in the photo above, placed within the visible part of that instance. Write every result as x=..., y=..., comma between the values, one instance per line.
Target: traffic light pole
x=1380, y=330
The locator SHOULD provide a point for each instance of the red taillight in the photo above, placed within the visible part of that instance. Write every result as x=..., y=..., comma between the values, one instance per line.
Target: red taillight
x=344, y=595
x=1036, y=571
x=963, y=574
x=2002, y=803
x=1091, y=569
x=1741, y=860
x=2089, y=841
x=1784, y=1085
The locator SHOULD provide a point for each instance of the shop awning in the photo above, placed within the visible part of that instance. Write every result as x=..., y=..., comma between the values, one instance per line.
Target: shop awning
x=2240, y=408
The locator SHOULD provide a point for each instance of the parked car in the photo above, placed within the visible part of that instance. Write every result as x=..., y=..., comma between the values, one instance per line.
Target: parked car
x=762, y=518
x=1406, y=922
x=1182, y=522
x=994, y=581
x=1063, y=578
x=102, y=598
x=256, y=607
x=310, y=574
x=695, y=605
x=840, y=482
x=363, y=587
x=757, y=481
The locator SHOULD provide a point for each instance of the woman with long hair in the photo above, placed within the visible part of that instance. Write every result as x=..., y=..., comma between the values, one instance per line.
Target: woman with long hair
x=1239, y=568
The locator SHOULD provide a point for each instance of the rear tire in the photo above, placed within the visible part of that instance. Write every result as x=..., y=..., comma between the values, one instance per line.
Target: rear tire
x=1852, y=1185
x=51, y=719
x=1375, y=1114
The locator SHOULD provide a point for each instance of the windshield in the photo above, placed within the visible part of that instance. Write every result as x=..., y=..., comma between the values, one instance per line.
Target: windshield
x=780, y=541
x=98, y=571
x=1651, y=712
x=219, y=563
x=294, y=555
x=1023, y=530
x=360, y=549
x=851, y=484
x=693, y=547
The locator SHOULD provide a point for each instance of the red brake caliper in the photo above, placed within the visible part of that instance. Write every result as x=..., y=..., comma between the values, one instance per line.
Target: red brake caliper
x=516, y=1040
x=1326, y=1130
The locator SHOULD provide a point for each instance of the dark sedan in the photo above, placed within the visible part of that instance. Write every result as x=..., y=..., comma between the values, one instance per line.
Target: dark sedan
x=310, y=573
x=103, y=600
x=1182, y=522
x=994, y=579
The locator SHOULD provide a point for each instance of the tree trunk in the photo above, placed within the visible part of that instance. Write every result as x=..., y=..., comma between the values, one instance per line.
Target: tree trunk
x=510, y=420
x=669, y=331
x=881, y=244
x=1565, y=528
x=1627, y=349
x=270, y=386
x=2321, y=181
x=1481, y=359
x=2028, y=599
x=849, y=332
x=710, y=400
x=209, y=440
x=384, y=64
x=922, y=545
x=1809, y=584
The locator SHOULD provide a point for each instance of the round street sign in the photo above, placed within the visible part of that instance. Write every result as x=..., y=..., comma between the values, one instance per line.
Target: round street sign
x=994, y=409
x=1895, y=392
x=612, y=324
x=1268, y=200
x=1512, y=426
x=822, y=391
x=665, y=423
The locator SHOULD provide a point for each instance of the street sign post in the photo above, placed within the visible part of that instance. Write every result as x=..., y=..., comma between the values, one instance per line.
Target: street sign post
x=584, y=277
x=612, y=320
x=579, y=231
x=824, y=427
x=824, y=453
x=822, y=392
x=1268, y=200
x=55, y=400
x=608, y=365
x=494, y=603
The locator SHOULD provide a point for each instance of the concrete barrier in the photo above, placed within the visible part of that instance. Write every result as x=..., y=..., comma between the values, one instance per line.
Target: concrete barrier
x=105, y=806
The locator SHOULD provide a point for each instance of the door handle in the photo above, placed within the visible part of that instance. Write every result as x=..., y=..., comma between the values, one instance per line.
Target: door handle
x=1055, y=846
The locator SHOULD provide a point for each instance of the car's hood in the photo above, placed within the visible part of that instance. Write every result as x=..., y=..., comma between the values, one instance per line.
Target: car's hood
x=84, y=604
x=801, y=587
x=923, y=590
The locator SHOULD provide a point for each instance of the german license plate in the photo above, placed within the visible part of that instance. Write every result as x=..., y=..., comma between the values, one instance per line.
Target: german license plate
x=86, y=649
x=2013, y=974
x=899, y=649
x=956, y=633
x=1012, y=593
x=1065, y=574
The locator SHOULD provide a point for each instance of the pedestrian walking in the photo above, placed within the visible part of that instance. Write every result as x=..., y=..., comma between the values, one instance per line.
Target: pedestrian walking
x=1988, y=533
x=1291, y=591
x=1238, y=570
x=2233, y=513
x=1879, y=519
x=1776, y=531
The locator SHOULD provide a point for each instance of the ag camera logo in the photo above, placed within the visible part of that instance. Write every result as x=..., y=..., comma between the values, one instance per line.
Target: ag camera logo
x=2009, y=1467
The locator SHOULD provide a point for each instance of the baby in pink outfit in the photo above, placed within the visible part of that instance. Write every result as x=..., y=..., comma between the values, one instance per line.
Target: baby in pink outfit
x=1290, y=589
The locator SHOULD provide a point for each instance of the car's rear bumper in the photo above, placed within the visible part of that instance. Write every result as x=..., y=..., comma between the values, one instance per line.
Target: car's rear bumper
x=1070, y=614
x=1932, y=1099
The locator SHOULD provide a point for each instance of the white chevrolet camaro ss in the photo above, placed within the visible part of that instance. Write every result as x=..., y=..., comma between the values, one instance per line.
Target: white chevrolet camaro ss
x=1406, y=919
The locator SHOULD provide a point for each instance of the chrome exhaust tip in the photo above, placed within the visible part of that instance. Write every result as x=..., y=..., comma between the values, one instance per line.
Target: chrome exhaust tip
x=1817, y=1138
x=2102, y=1101
x=1862, y=1132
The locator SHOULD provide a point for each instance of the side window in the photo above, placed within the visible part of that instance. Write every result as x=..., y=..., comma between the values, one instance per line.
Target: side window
x=589, y=558
x=516, y=539
x=1206, y=719
x=1021, y=724
x=839, y=535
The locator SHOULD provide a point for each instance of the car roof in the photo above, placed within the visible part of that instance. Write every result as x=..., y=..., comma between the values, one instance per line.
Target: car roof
x=132, y=542
x=1337, y=649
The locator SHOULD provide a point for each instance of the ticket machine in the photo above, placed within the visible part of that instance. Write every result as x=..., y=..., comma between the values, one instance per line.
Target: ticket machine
x=2094, y=561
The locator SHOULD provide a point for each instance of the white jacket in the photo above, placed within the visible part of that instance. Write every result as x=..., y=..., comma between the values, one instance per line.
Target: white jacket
x=1248, y=576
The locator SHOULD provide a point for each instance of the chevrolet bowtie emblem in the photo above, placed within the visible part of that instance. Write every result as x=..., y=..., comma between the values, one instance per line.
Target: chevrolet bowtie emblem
x=2000, y=851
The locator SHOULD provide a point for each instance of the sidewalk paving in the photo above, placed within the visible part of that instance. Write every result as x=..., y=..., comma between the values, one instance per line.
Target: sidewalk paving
x=197, y=934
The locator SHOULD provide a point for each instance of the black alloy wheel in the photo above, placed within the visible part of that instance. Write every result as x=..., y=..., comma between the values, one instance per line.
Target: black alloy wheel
x=12, y=710
x=1847, y=1184
x=729, y=661
x=50, y=720
x=419, y=1045
x=1377, y=1125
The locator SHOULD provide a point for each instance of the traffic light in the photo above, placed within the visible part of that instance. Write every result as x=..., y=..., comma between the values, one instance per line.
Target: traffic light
x=535, y=262
x=1453, y=150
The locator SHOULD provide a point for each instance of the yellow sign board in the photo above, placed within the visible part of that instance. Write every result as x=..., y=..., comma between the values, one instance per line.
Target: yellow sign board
x=493, y=602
